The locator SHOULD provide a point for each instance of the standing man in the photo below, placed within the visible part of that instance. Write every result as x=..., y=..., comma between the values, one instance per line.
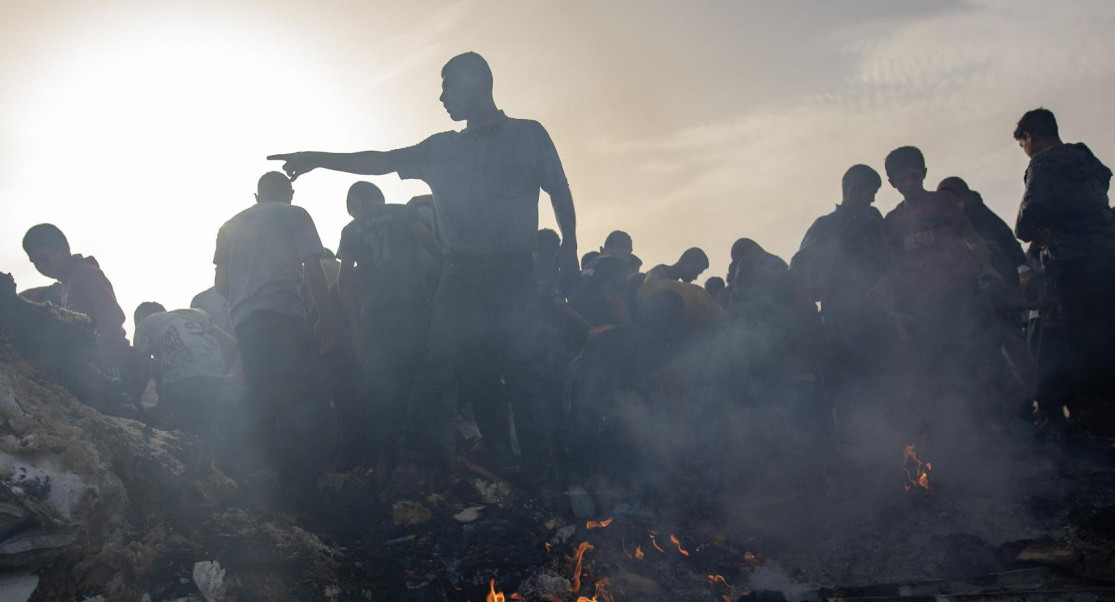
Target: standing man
x=262, y=255
x=1065, y=212
x=485, y=181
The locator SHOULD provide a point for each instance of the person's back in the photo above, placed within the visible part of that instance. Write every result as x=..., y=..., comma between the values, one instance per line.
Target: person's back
x=1066, y=194
x=389, y=269
x=845, y=254
x=264, y=246
x=212, y=303
x=925, y=235
x=183, y=342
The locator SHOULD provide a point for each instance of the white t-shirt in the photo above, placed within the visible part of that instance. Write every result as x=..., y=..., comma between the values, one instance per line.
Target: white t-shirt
x=182, y=341
x=263, y=248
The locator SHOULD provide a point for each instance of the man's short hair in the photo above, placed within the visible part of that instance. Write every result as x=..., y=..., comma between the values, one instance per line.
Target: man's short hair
x=619, y=238
x=1039, y=123
x=45, y=236
x=471, y=64
x=272, y=184
x=363, y=192
x=695, y=255
x=743, y=247
x=904, y=157
x=146, y=309
x=863, y=176
x=547, y=243
x=954, y=184
x=588, y=258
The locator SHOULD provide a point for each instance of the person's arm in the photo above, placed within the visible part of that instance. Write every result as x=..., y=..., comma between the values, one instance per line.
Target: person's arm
x=371, y=163
x=349, y=303
x=975, y=243
x=220, y=280
x=228, y=345
x=562, y=201
x=1033, y=211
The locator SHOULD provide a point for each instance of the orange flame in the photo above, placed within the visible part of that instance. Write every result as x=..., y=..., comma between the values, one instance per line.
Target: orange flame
x=674, y=540
x=578, y=558
x=917, y=472
x=516, y=596
x=598, y=525
x=749, y=558
x=601, y=595
x=639, y=553
x=548, y=547
x=655, y=543
x=493, y=595
x=714, y=579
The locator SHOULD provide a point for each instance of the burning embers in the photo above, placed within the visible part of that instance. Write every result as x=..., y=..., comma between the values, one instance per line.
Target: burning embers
x=917, y=472
x=590, y=525
x=493, y=595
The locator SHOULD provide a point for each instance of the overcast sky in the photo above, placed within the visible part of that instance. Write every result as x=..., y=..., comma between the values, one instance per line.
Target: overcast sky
x=140, y=127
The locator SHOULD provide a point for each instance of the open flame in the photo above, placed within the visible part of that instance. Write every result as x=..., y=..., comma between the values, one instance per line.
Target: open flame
x=674, y=540
x=600, y=595
x=578, y=559
x=493, y=595
x=917, y=472
x=598, y=524
x=654, y=542
x=717, y=582
x=639, y=553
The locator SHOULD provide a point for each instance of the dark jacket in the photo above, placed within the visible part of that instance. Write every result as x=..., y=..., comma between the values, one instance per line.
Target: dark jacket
x=1003, y=248
x=842, y=256
x=1066, y=193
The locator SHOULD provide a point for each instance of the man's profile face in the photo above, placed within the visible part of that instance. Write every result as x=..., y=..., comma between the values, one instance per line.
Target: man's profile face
x=1026, y=142
x=50, y=262
x=690, y=271
x=458, y=94
x=907, y=180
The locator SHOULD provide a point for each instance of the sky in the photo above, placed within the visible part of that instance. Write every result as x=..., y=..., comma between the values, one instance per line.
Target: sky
x=140, y=127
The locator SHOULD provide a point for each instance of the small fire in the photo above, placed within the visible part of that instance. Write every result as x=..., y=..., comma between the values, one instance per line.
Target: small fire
x=917, y=472
x=516, y=596
x=598, y=525
x=600, y=595
x=493, y=595
x=639, y=553
x=674, y=540
x=578, y=558
x=718, y=580
x=654, y=542
x=548, y=547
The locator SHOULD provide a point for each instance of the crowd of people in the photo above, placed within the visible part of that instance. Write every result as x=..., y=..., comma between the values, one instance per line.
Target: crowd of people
x=456, y=305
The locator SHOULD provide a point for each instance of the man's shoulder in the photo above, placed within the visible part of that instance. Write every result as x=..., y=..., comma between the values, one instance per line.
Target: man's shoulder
x=527, y=127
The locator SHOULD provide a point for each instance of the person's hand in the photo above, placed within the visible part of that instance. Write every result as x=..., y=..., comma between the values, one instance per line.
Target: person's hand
x=296, y=164
x=567, y=260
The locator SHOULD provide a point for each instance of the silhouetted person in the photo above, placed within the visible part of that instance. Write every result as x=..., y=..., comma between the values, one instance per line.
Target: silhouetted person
x=600, y=298
x=485, y=181
x=588, y=258
x=212, y=303
x=84, y=289
x=745, y=248
x=1003, y=248
x=261, y=256
x=1065, y=212
x=386, y=293
x=714, y=285
x=192, y=357
x=842, y=258
x=692, y=263
x=939, y=264
x=617, y=244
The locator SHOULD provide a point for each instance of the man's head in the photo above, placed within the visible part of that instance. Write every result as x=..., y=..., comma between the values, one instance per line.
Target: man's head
x=546, y=246
x=692, y=262
x=1037, y=131
x=48, y=250
x=906, y=170
x=955, y=186
x=146, y=309
x=859, y=185
x=588, y=258
x=466, y=86
x=618, y=244
x=714, y=286
x=274, y=187
x=362, y=197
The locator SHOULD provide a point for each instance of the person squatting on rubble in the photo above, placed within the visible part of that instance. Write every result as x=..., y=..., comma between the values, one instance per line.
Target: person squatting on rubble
x=262, y=255
x=485, y=181
x=1065, y=214
x=385, y=292
x=84, y=289
x=192, y=357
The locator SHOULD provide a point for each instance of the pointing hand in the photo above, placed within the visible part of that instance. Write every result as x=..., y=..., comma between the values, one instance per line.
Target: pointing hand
x=295, y=164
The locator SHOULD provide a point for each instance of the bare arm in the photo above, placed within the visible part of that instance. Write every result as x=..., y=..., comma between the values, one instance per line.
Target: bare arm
x=372, y=163
x=566, y=216
x=348, y=301
x=319, y=292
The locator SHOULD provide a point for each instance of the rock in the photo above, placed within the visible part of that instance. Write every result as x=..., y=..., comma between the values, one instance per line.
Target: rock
x=581, y=502
x=469, y=514
x=209, y=578
x=18, y=587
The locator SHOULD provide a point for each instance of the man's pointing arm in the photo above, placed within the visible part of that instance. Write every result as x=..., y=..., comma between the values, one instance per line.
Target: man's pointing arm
x=371, y=163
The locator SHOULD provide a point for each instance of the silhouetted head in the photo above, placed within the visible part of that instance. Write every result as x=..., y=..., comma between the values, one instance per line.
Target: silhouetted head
x=859, y=185
x=1037, y=131
x=146, y=309
x=609, y=275
x=48, y=250
x=906, y=170
x=634, y=264
x=714, y=286
x=466, y=86
x=588, y=258
x=618, y=244
x=363, y=196
x=692, y=262
x=954, y=185
x=744, y=250
x=274, y=187
x=546, y=246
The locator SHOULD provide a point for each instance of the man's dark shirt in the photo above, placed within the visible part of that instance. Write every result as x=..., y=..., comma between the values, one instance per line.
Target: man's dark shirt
x=842, y=256
x=389, y=269
x=1066, y=194
x=1003, y=248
